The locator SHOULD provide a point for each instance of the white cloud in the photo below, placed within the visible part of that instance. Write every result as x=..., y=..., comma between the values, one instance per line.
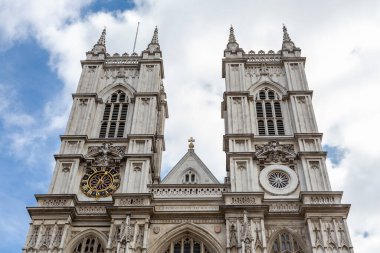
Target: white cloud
x=340, y=43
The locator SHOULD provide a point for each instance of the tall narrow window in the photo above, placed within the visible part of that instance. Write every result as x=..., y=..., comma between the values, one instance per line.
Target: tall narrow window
x=89, y=244
x=286, y=243
x=114, y=116
x=268, y=113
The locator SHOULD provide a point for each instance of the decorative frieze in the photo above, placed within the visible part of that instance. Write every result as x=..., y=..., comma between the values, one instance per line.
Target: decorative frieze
x=131, y=202
x=55, y=202
x=274, y=152
x=91, y=210
x=243, y=200
x=280, y=207
x=194, y=208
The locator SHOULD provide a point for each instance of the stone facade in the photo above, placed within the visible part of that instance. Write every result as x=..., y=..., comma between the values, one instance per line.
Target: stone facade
x=106, y=193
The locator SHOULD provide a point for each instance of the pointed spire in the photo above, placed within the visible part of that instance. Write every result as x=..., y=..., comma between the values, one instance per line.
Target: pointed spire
x=100, y=46
x=102, y=39
x=154, y=46
x=232, y=45
x=286, y=35
x=155, y=36
x=287, y=43
x=232, y=38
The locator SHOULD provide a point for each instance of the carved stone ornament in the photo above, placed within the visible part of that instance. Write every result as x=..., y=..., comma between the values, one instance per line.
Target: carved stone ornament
x=217, y=229
x=273, y=152
x=233, y=236
x=156, y=230
x=105, y=154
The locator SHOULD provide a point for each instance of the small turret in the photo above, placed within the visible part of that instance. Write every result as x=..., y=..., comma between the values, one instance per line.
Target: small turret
x=99, y=48
x=153, y=47
x=288, y=46
x=232, y=45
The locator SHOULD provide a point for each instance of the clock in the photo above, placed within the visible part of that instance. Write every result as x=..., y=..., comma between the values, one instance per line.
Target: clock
x=99, y=182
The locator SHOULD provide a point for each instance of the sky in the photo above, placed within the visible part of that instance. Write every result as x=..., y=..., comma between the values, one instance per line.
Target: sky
x=42, y=43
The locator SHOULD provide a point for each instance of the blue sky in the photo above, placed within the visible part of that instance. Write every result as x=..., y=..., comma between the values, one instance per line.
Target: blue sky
x=42, y=43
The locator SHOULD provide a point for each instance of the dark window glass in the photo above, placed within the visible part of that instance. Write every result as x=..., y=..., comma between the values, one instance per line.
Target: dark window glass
x=268, y=110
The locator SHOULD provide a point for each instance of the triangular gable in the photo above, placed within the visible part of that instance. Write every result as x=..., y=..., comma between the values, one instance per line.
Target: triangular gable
x=190, y=164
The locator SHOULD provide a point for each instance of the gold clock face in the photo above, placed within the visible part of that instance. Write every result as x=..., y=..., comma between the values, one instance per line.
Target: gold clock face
x=99, y=182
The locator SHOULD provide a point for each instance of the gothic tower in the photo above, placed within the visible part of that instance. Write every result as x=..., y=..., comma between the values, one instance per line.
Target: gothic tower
x=106, y=194
x=274, y=155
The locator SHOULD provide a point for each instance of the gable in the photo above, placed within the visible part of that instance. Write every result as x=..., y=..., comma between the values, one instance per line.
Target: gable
x=190, y=170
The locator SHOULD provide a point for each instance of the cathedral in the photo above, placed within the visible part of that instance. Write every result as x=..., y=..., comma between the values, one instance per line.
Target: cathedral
x=107, y=194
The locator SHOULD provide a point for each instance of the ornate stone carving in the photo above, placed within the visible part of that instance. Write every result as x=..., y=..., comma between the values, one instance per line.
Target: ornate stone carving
x=58, y=236
x=105, y=154
x=322, y=200
x=33, y=238
x=246, y=229
x=273, y=152
x=91, y=210
x=283, y=207
x=156, y=230
x=131, y=202
x=233, y=236
x=317, y=233
x=140, y=237
x=314, y=165
x=54, y=202
x=243, y=200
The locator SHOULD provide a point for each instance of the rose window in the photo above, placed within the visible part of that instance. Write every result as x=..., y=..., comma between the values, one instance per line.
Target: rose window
x=278, y=179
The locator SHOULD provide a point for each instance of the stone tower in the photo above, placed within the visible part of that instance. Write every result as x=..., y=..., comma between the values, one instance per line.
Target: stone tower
x=106, y=194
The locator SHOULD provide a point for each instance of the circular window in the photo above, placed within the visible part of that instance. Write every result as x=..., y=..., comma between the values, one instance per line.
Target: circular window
x=278, y=179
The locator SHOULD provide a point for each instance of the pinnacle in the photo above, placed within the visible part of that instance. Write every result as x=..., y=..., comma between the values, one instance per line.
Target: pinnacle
x=232, y=38
x=102, y=39
x=155, y=36
x=286, y=35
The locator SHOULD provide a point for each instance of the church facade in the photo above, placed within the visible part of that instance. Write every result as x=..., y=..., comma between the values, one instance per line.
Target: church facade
x=106, y=193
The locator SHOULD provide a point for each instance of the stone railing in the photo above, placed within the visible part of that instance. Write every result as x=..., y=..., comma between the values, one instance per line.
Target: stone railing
x=263, y=58
x=234, y=198
x=199, y=191
x=121, y=61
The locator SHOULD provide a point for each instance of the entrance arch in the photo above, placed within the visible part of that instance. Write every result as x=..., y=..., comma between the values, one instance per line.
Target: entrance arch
x=186, y=235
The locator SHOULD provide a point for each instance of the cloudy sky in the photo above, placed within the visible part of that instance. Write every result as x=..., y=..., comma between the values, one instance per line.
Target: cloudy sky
x=42, y=42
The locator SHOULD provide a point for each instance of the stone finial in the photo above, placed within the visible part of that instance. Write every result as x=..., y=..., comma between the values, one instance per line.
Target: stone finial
x=232, y=45
x=232, y=38
x=286, y=35
x=102, y=39
x=154, y=46
x=155, y=36
x=100, y=46
x=191, y=141
x=287, y=43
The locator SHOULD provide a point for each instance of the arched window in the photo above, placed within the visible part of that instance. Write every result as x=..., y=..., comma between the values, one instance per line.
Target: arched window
x=190, y=178
x=187, y=245
x=268, y=113
x=114, y=116
x=89, y=244
x=285, y=243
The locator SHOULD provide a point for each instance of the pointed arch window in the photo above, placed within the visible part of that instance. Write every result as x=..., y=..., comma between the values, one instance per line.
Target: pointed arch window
x=114, y=116
x=286, y=243
x=187, y=244
x=268, y=113
x=89, y=244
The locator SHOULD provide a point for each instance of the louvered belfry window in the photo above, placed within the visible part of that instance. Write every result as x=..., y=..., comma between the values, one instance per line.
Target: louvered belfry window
x=114, y=116
x=268, y=112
